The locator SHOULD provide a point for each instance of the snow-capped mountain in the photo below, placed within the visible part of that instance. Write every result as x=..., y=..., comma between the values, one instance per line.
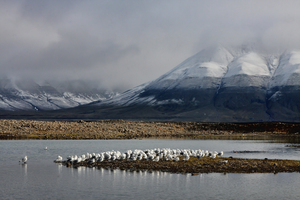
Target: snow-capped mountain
x=241, y=84
x=28, y=95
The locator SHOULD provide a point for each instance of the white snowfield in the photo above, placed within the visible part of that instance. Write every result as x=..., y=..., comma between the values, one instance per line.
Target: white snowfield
x=219, y=67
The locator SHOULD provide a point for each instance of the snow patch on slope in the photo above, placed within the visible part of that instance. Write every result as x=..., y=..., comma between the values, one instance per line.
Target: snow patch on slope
x=129, y=97
x=206, y=63
x=250, y=64
x=211, y=62
x=289, y=66
x=276, y=96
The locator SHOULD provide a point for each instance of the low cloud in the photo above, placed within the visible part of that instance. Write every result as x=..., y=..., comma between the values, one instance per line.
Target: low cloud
x=121, y=44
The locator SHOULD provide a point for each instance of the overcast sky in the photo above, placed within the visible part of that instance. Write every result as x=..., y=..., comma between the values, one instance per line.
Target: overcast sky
x=121, y=44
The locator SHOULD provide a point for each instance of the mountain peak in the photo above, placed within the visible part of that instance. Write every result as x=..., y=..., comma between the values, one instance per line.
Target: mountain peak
x=239, y=82
x=217, y=54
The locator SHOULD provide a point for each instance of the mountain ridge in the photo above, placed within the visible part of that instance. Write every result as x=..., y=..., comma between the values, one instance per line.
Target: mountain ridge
x=217, y=84
x=239, y=81
x=26, y=95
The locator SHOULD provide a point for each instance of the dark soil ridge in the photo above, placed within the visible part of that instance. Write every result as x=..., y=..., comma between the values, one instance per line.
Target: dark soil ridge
x=121, y=129
x=195, y=165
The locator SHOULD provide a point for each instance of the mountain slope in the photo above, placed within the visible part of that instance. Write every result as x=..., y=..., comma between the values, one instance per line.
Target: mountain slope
x=28, y=95
x=284, y=94
x=239, y=84
x=217, y=84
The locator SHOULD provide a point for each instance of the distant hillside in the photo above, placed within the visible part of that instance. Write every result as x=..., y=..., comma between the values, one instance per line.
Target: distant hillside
x=217, y=84
x=26, y=95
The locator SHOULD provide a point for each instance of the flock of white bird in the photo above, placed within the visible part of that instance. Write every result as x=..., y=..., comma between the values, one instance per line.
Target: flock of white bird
x=148, y=154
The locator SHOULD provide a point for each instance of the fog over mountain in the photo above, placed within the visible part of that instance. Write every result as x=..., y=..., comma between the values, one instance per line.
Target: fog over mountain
x=123, y=43
x=217, y=84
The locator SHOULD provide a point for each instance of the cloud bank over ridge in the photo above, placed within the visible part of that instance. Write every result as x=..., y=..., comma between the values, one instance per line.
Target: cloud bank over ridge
x=121, y=44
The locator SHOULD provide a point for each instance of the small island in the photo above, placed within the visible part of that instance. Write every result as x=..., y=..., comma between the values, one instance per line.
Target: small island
x=180, y=162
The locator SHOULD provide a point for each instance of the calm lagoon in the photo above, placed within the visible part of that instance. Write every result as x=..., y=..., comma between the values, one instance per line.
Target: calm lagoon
x=41, y=178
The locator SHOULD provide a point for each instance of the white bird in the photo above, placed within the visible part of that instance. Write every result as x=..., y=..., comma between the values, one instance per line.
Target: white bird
x=220, y=154
x=156, y=159
x=79, y=159
x=169, y=157
x=91, y=161
x=186, y=157
x=199, y=156
x=107, y=156
x=140, y=157
x=151, y=157
x=58, y=159
x=161, y=155
x=101, y=159
x=123, y=156
x=176, y=159
x=46, y=148
x=114, y=157
x=24, y=160
x=134, y=158
x=206, y=153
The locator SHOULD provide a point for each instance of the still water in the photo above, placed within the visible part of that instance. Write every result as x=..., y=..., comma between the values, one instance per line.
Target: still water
x=40, y=178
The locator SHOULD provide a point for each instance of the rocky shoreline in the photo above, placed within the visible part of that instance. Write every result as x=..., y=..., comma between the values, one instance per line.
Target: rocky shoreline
x=121, y=129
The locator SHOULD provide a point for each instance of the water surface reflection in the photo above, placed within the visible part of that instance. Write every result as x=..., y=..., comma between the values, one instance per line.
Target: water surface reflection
x=40, y=178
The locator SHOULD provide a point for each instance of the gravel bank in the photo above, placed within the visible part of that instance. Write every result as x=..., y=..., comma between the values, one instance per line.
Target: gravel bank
x=121, y=129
